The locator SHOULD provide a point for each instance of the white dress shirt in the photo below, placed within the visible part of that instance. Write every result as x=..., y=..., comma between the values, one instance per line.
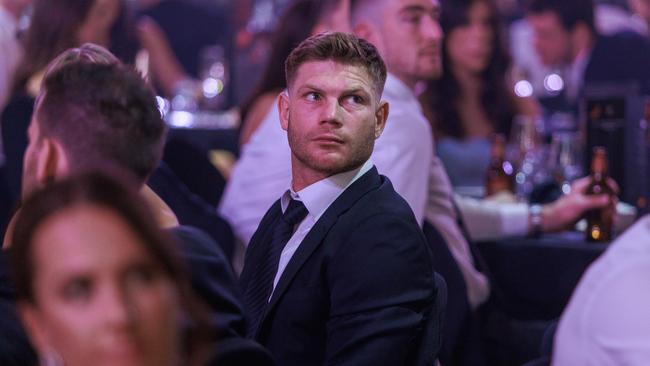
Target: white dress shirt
x=406, y=155
x=607, y=321
x=316, y=197
x=261, y=175
x=486, y=219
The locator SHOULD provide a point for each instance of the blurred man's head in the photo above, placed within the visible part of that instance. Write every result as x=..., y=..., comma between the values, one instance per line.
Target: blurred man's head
x=92, y=111
x=406, y=32
x=562, y=28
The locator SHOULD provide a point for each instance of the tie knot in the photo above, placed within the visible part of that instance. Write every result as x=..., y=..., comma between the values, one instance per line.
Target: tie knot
x=295, y=213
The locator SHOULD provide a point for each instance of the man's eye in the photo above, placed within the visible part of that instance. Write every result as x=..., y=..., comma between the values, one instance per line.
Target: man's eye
x=354, y=99
x=312, y=96
x=77, y=290
x=412, y=18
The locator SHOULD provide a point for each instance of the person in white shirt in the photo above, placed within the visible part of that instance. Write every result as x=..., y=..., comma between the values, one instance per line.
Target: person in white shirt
x=10, y=48
x=607, y=321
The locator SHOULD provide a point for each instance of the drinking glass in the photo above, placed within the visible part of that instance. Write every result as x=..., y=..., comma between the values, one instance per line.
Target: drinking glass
x=526, y=152
x=214, y=75
x=565, y=158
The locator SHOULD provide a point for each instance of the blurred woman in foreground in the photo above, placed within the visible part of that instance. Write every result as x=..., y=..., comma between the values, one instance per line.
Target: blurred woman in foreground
x=98, y=283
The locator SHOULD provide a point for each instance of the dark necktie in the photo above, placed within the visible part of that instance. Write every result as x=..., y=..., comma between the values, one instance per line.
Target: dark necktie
x=259, y=289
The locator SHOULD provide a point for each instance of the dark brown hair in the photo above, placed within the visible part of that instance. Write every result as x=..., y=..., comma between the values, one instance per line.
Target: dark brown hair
x=53, y=29
x=102, y=112
x=294, y=27
x=340, y=47
x=569, y=12
x=119, y=196
x=442, y=94
x=88, y=52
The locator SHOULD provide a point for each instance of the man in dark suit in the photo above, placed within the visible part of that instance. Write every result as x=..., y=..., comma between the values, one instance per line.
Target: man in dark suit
x=565, y=35
x=338, y=272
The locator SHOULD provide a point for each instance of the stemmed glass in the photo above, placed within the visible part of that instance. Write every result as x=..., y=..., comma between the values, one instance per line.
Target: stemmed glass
x=565, y=158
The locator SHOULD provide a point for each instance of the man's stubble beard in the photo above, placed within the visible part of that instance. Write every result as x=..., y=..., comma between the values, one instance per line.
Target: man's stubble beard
x=358, y=156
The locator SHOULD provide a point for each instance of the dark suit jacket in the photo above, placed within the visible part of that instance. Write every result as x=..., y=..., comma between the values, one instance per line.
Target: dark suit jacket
x=355, y=291
x=622, y=58
x=215, y=284
x=191, y=209
x=212, y=279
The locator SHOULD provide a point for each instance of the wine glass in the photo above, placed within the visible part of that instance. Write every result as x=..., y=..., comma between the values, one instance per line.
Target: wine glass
x=565, y=158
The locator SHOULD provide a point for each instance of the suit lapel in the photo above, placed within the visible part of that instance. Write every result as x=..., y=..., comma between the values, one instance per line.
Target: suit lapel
x=314, y=238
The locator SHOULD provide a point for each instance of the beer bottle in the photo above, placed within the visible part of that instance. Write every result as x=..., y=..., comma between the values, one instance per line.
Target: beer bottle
x=500, y=174
x=600, y=221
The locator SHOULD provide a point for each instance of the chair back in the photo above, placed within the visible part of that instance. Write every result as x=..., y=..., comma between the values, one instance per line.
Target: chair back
x=431, y=340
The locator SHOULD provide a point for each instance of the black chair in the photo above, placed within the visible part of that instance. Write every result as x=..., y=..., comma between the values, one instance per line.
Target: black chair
x=190, y=209
x=545, y=348
x=432, y=334
x=461, y=343
x=190, y=164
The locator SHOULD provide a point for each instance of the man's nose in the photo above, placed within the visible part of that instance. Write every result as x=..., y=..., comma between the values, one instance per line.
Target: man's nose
x=431, y=28
x=331, y=111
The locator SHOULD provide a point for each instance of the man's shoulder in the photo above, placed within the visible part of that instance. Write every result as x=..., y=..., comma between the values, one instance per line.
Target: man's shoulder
x=635, y=47
x=617, y=270
x=382, y=201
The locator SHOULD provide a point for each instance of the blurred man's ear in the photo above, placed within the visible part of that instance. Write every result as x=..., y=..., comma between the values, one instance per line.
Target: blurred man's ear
x=581, y=38
x=52, y=162
x=367, y=30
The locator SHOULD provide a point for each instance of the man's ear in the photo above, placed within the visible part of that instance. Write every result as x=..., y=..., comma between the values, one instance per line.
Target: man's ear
x=52, y=161
x=581, y=37
x=283, y=109
x=381, y=116
x=368, y=31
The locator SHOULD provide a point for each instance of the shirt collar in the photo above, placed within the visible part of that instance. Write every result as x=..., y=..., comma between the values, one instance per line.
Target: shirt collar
x=318, y=196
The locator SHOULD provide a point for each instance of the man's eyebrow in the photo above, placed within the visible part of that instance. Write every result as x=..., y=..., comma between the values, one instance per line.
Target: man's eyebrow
x=420, y=9
x=413, y=9
x=352, y=90
x=355, y=91
x=310, y=87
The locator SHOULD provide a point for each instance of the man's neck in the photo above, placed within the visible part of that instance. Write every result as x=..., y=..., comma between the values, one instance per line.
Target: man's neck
x=582, y=46
x=409, y=82
x=300, y=180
